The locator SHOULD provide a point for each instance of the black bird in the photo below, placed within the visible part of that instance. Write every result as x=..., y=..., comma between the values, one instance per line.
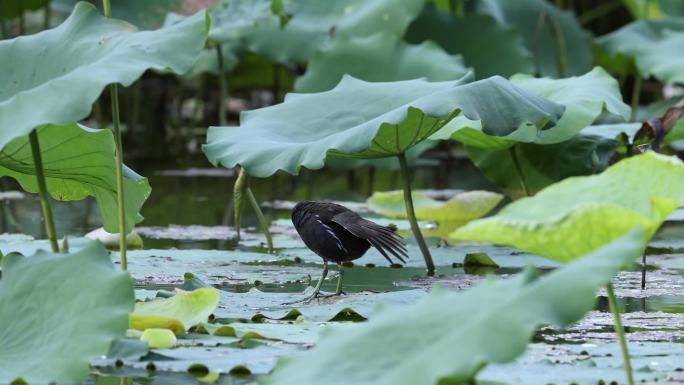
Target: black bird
x=339, y=235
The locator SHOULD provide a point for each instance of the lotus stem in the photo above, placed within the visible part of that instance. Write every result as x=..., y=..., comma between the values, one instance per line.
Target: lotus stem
x=118, y=154
x=619, y=331
x=643, y=271
x=408, y=200
x=559, y=41
x=239, y=190
x=42, y=192
x=262, y=219
x=46, y=20
x=223, y=87
x=636, y=93
x=518, y=169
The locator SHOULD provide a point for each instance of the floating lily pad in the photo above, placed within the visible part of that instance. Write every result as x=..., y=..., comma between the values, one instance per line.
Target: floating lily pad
x=303, y=133
x=191, y=308
x=383, y=351
x=60, y=311
x=579, y=214
x=462, y=208
x=100, y=51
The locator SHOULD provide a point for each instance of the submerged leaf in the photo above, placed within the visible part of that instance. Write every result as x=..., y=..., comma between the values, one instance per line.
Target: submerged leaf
x=57, y=312
x=580, y=214
x=462, y=207
x=56, y=75
x=448, y=337
x=368, y=120
x=191, y=308
x=78, y=162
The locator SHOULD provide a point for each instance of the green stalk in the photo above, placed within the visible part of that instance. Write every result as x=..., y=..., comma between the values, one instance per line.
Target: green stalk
x=114, y=94
x=223, y=87
x=239, y=191
x=262, y=219
x=46, y=20
x=636, y=93
x=42, y=192
x=559, y=41
x=516, y=163
x=408, y=200
x=619, y=331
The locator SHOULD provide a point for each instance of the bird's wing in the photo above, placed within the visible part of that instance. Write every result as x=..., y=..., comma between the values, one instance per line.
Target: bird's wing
x=382, y=238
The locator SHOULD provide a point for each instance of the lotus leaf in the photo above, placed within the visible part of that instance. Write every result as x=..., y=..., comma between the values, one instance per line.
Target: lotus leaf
x=159, y=338
x=313, y=23
x=559, y=45
x=142, y=322
x=414, y=345
x=191, y=308
x=368, y=120
x=462, y=207
x=63, y=80
x=542, y=165
x=652, y=45
x=579, y=214
x=377, y=58
x=78, y=162
x=58, y=311
x=505, y=54
x=585, y=98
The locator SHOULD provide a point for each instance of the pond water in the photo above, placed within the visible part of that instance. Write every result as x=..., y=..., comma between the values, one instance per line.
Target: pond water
x=186, y=229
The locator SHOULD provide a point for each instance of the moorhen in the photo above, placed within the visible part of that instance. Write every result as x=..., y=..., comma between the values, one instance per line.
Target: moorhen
x=339, y=235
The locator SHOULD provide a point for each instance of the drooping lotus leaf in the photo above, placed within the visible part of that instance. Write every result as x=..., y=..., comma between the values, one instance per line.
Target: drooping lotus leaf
x=504, y=54
x=233, y=20
x=368, y=120
x=78, y=162
x=579, y=214
x=414, y=345
x=312, y=23
x=58, y=312
x=143, y=322
x=542, y=165
x=191, y=308
x=652, y=45
x=553, y=36
x=462, y=207
x=613, y=131
x=377, y=58
x=585, y=98
x=68, y=66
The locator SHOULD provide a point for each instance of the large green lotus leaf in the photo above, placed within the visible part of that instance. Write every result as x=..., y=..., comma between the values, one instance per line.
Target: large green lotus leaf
x=233, y=20
x=504, y=55
x=57, y=312
x=462, y=207
x=191, y=308
x=368, y=120
x=413, y=158
x=585, y=98
x=652, y=44
x=378, y=58
x=579, y=214
x=313, y=23
x=414, y=345
x=613, y=131
x=71, y=64
x=542, y=165
x=541, y=38
x=78, y=162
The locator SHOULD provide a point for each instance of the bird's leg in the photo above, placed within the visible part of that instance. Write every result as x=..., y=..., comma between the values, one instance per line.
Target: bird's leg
x=340, y=270
x=317, y=289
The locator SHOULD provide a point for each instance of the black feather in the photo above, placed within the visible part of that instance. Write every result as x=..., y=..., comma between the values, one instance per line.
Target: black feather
x=338, y=234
